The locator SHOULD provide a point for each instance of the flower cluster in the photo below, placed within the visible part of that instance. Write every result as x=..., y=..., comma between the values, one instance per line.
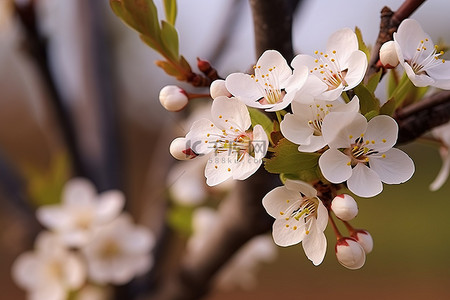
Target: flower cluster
x=328, y=134
x=90, y=241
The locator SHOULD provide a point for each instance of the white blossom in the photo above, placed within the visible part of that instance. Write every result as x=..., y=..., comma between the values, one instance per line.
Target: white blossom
x=304, y=125
x=339, y=68
x=235, y=152
x=173, y=98
x=272, y=87
x=299, y=217
x=344, y=207
x=361, y=153
x=419, y=57
x=81, y=211
x=49, y=272
x=120, y=251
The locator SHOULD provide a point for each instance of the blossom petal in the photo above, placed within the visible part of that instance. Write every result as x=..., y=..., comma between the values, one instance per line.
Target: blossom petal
x=408, y=37
x=302, y=187
x=441, y=73
x=246, y=167
x=295, y=129
x=340, y=129
x=382, y=133
x=357, y=66
x=109, y=205
x=245, y=88
x=79, y=190
x=322, y=217
x=352, y=106
x=364, y=182
x=394, y=167
x=344, y=42
x=442, y=176
x=315, y=245
x=260, y=142
x=272, y=58
x=202, y=136
x=335, y=166
x=288, y=232
x=226, y=112
x=279, y=200
x=315, y=143
x=54, y=217
x=219, y=168
x=419, y=80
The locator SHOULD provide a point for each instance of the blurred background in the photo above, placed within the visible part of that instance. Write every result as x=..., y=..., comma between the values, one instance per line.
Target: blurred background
x=107, y=84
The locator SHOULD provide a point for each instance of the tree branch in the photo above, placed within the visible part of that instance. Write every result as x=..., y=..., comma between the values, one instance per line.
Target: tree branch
x=272, y=21
x=388, y=25
x=415, y=120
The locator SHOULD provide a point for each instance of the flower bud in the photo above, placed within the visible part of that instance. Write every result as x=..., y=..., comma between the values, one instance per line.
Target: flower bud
x=218, y=88
x=364, y=238
x=179, y=148
x=388, y=55
x=173, y=98
x=350, y=253
x=344, y=207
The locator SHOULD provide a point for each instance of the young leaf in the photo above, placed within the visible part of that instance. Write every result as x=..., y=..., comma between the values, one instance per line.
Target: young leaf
x=170, y=69
x=361, y=44
x=144, y=15
x=367, y=100
x=373, y=81
x=388, y=108
x=258, y=117
x=288, y=160
x=169, y=37
x=170, y=7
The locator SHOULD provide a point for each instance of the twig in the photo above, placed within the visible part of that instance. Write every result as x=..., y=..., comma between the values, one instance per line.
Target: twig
x=417, y=119
x=388, y=25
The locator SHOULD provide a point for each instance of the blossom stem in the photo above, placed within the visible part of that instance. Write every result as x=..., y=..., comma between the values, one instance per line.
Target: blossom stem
x=278, y=116
x=345, y=97
x=335, y=229
x=350, y=228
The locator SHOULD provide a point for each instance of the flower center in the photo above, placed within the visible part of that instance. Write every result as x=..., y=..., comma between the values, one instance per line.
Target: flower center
x=269, y=85
x=234, y=142
x=421, y=61
x=303, y=212
x=359, y=151
x=327, y=69
x=110, y=249
x=319, y=112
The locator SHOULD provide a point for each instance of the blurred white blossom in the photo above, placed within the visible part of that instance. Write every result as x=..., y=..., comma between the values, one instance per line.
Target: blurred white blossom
x=120, y=251
x=81, y=212
x=50, y=271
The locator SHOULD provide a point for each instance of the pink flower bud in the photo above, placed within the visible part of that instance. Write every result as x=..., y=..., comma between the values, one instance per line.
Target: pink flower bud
x=344, y=207
x=218, y=88
x=388, y=55
x=364, y=238
x=350, y=253
x=173, y=98
x=180, y=149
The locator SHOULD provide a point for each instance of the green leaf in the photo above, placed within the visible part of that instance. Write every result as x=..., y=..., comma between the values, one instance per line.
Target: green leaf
x=170, y=7
x=367, y=100
x=184, y=64
x=288, y=160
x=170, y=69
x=45, y=187
x=169, y=37
x=144, y=15
x=258, y=117
x=373, y=81
x=371, y=114
x=362, y=46
x=392, y=83
x=180, y=218
x=388, y=108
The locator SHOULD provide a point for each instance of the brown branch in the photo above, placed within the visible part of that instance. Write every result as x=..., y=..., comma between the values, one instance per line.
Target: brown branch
x=415, y=120
x=388, y=25
x=272, y=21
